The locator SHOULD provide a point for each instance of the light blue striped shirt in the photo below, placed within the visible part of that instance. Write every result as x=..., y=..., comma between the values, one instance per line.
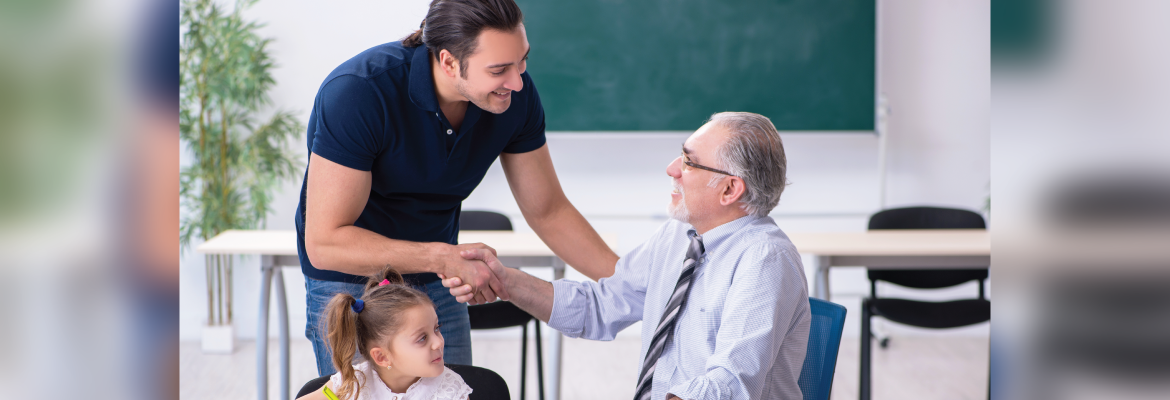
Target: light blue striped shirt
x=744, y=330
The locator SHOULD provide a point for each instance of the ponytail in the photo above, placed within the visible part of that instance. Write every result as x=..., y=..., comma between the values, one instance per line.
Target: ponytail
x=415, y=39
x=342, y=337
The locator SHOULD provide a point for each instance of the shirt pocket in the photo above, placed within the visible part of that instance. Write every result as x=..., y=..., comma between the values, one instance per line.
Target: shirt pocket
x=710, y=315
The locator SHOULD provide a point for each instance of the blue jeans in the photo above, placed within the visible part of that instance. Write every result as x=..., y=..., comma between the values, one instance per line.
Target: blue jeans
x=456, y=327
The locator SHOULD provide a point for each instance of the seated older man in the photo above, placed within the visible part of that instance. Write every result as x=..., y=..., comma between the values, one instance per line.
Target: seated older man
x=720, y=286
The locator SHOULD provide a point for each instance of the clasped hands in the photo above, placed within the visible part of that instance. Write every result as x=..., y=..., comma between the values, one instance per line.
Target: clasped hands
x=477, y=277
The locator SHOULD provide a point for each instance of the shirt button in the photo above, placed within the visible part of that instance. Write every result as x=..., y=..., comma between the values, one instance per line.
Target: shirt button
x=449, y=131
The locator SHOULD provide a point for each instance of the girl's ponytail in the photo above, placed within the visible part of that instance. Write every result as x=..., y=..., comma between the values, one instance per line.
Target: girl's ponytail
x=342, y=337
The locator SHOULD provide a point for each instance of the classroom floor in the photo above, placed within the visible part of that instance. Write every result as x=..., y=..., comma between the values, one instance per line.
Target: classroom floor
x=911, y=368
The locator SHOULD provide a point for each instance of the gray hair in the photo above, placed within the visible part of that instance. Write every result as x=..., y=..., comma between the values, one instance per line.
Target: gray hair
x=754, y=153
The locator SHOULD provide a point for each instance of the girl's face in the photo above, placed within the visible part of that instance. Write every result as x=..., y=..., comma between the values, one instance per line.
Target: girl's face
x=417, y=348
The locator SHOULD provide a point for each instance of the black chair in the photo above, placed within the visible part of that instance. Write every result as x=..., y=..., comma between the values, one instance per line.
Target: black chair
x=949, y=314
x=485, y=383
x=503, y=314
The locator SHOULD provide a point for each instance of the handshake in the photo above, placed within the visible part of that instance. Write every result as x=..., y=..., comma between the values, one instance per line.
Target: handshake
x=478, y=277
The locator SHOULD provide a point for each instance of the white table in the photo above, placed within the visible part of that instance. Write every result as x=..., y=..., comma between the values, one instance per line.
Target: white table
x=279, y=249
x=893, y=249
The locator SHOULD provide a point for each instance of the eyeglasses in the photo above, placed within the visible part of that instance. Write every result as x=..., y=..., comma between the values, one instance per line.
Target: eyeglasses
x=687, y=161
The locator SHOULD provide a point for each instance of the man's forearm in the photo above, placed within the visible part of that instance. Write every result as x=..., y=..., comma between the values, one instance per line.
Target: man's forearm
x=571, y=237
x=531, y=294
x=359, y=251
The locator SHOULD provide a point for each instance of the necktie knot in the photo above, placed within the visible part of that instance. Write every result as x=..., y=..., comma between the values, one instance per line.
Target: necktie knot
x=696, y=249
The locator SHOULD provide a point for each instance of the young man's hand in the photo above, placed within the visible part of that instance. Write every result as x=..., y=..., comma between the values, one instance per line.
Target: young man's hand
x=473, y=270
x=466, y=293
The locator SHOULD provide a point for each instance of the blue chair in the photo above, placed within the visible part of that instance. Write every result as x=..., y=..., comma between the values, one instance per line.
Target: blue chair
x=824, y=340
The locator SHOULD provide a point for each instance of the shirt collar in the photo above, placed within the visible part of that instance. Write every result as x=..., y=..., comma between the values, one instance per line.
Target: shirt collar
x=714, y=237
x=422, y=84
x=423, y=388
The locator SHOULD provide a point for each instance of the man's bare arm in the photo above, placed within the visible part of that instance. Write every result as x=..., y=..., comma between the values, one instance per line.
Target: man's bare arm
x=538, y=192
x=336, y=196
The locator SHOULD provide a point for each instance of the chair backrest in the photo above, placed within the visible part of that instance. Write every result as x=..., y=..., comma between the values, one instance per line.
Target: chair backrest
x=484, y=221
x=312, y=385
x=824, y=340
x=500, y=314
x=485, y=383
x=926, y=218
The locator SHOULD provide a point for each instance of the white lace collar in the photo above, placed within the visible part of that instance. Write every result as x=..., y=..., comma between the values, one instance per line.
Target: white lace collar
x=447, y=386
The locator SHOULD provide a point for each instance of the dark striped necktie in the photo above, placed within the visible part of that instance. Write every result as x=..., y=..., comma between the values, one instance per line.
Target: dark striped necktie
x=674, y=307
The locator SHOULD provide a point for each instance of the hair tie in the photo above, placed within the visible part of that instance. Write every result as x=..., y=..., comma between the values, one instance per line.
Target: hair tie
x=384, y=282
x=358, y=306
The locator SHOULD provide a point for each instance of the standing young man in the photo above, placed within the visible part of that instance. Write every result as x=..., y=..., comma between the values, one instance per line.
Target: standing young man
x=399, y=136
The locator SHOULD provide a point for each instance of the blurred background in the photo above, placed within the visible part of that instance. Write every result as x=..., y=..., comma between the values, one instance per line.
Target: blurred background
x=1064, y=103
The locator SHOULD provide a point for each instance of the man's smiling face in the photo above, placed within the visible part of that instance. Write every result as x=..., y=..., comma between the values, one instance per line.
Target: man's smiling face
x=493, y=71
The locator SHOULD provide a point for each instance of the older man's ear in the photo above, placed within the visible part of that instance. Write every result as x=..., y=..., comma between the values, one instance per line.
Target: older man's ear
x=733, y=190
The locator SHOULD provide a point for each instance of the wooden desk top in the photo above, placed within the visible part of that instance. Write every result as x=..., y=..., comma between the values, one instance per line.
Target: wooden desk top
x=267, y=242
x=926, y=242
x=284, y=242
x=889, y=242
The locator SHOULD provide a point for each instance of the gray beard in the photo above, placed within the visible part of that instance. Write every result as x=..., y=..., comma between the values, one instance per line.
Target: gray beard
x=680, y=211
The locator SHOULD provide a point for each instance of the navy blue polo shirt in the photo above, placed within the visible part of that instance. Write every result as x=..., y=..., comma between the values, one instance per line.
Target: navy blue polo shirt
x=378, y=112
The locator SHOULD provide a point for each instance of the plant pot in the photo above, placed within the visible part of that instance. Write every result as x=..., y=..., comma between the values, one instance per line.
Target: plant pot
x=219, y=339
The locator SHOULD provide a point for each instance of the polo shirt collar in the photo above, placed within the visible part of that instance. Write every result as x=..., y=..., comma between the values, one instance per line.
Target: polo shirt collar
x=422, y=84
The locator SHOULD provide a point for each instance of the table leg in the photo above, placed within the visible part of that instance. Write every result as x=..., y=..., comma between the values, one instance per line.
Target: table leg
x=262, y=329
x=282, y=317
x=821, y=266
x=554, y=386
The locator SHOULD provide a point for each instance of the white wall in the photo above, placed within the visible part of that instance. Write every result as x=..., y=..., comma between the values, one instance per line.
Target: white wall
x=934, y=71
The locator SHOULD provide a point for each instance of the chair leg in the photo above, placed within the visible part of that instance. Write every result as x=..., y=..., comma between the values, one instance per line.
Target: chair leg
x=539, y=362
x=523, y=359
x=880, y=334
x=863, y=387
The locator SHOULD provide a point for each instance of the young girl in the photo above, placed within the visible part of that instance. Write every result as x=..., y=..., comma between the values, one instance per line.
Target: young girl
x=395, y=329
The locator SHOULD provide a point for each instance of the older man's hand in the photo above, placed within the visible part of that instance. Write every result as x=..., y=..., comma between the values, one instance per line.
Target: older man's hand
x=466, y=293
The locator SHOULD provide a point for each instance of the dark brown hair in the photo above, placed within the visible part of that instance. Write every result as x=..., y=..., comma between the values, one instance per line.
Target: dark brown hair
x=349, y=332
x=455, y=25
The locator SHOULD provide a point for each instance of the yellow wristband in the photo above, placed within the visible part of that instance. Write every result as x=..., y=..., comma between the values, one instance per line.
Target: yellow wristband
x=328, y=393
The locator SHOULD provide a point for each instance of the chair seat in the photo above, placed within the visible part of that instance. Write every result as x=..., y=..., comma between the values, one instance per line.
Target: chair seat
x=500, y=314
x=949, y=314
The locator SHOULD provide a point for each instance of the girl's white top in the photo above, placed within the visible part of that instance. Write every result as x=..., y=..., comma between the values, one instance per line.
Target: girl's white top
x=447, y=386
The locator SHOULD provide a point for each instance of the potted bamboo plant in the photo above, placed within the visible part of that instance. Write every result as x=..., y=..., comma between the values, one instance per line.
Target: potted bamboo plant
x=239, y=157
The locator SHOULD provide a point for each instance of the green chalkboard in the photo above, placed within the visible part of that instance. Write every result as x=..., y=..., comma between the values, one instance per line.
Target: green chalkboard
x=638, y=65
